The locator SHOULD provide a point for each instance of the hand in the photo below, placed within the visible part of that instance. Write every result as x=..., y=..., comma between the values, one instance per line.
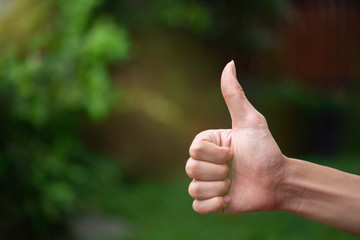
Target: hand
x=236, y=170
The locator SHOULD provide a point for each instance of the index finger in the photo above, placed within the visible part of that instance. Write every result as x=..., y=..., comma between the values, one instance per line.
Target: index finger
x=209, y=152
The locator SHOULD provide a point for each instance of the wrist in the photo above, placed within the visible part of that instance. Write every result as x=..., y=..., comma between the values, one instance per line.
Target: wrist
x=320, y=194
x=289, y=192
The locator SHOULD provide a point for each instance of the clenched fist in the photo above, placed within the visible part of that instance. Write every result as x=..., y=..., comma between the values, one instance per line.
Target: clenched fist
x=235, y=170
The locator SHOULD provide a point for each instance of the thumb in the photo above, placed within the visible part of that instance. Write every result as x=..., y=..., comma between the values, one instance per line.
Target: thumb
x=236, y=101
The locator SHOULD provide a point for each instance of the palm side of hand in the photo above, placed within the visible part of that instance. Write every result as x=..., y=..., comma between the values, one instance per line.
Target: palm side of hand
x=255, y=171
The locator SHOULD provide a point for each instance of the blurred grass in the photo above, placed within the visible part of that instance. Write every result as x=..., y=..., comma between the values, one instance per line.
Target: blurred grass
x=167, y=214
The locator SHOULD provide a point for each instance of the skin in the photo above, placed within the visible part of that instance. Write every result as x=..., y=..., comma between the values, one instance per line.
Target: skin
x=242, y=170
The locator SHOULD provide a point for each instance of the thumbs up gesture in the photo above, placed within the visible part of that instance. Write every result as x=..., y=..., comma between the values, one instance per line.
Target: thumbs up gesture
x=235, y=170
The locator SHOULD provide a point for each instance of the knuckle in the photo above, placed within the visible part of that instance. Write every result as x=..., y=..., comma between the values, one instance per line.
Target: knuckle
x=197, y=208
x=261, y=119
x=257, y=118
x=192, y=168
x=203, y=133
x=195, y=150
x=189, y=169
x=194, y=190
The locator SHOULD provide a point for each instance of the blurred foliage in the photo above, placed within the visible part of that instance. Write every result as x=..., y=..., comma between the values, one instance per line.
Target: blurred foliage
x=54, y=76
x=240, y=24
x=50, y=84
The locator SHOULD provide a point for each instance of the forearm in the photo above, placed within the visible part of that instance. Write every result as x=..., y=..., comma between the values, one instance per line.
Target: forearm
x=321, y=194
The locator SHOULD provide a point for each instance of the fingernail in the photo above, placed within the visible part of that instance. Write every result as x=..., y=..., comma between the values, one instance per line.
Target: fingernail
x=227, y=199
x=233, y=68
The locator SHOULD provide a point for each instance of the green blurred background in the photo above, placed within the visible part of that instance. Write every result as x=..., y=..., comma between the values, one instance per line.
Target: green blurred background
x=101, y=99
